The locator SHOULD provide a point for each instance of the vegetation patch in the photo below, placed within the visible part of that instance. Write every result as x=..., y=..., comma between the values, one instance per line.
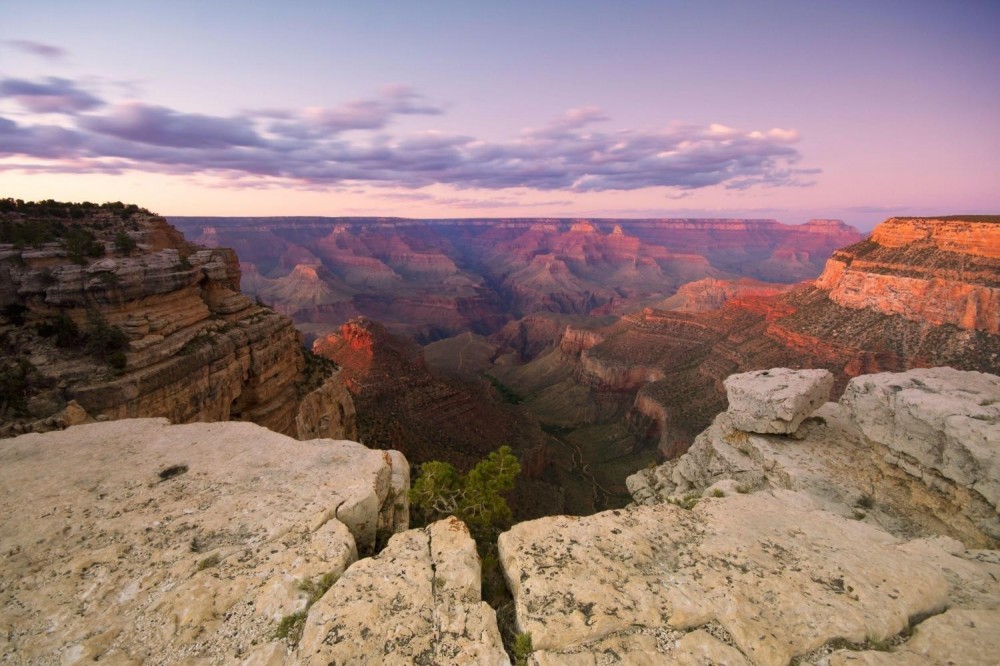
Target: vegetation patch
x=522, y=649
x=290, y=627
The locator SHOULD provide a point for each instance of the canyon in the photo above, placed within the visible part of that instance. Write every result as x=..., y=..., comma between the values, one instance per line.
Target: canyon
x=917, y=293
x=434, y=278
x=732, y=506
x=615, y=335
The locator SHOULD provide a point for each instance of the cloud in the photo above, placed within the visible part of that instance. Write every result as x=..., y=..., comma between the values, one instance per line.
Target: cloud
x=157, y=125
x=53, y=95
x=351, y=144
x=37, y=48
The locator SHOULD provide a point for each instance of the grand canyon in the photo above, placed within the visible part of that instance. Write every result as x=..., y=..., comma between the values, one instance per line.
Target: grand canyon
x=500, y=334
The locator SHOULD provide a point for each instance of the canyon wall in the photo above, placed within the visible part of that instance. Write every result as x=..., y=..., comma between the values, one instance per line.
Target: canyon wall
x=146, y=324
x=918, y=293
x=941, y=271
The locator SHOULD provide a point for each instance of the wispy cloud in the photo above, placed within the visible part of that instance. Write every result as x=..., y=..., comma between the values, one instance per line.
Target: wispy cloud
x=352, y=143
x=37, y=48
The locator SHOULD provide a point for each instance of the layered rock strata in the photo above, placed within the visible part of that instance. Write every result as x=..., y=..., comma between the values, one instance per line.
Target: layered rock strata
x=939, y=270
x=437, y=278
x=812, y=547
x=194, y=348
x=135, y=541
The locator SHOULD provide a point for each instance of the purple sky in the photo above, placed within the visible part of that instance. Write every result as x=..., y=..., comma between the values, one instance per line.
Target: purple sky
x=792, y=110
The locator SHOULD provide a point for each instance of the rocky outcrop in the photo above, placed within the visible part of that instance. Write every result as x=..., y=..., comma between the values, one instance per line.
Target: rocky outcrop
x=937, y=423
x=812, y=548
x=776, y=400
x=915, y=452
x=151, y=326
x=764, y=577
x=713, y=293
x=417, y=602
x=327, y=412
x=135, y=541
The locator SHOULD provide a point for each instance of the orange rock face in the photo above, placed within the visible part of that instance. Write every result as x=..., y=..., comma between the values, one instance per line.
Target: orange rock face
x=938, y=271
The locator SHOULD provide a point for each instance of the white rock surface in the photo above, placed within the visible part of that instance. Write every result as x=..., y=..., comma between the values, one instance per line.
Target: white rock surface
x=942, y=419
x=779, y=576
x=776, y=400
x=966, y=637
x=416, y=602
x=104, y=559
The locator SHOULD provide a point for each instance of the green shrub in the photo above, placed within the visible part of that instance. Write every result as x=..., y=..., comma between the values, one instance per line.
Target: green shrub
x=522, y=649
x=63, y=328
x=476, y=498
x=291, y=626
x=104, y=341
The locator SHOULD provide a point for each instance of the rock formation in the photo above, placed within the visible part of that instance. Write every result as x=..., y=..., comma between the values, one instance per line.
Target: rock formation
x=437, y=278
x=145, y=324
x=136, y=541
x=813, y=547
x=940, y=271
x=417, y=602
x=856, y=538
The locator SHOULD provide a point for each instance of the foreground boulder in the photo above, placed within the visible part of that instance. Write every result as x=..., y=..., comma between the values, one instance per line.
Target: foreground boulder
x=941, y=420
x=417, y=602
x=776, y=400
x=916, y=453
x=137, y=541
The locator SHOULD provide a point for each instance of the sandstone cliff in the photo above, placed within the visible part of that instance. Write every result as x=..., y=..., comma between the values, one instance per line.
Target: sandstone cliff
x=939, y=271
x=133, y=321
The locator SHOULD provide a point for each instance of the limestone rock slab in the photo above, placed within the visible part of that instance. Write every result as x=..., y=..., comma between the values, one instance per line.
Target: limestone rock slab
x=136, y=540
x=778, y=575
x=416, y=602
x=942, y=419
x=776, y=400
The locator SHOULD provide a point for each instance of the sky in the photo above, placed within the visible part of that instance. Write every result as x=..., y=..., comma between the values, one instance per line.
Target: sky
x=855, y=110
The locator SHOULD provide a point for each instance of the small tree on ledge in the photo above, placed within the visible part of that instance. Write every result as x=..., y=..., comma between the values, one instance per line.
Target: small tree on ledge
x=475, y=498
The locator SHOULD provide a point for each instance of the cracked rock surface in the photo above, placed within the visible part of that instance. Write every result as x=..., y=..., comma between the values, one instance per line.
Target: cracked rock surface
x=136, y=541
x=416, y=602
x=778, y=575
